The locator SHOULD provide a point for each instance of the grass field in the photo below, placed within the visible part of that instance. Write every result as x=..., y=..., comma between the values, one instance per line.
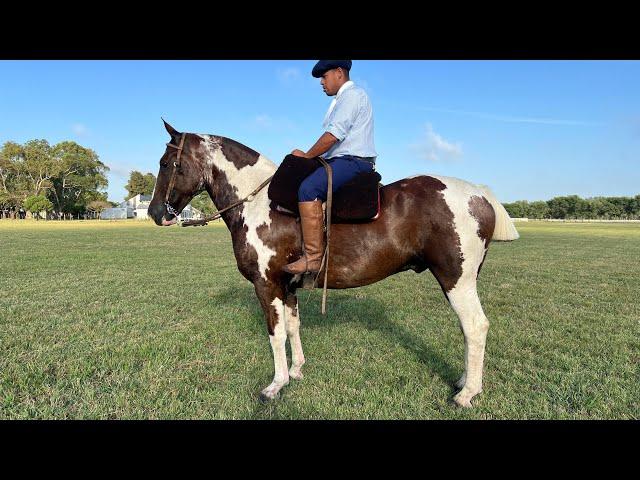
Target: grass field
x=131, y=321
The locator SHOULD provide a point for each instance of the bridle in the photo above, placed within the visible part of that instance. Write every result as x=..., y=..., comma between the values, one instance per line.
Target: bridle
x=172, y=181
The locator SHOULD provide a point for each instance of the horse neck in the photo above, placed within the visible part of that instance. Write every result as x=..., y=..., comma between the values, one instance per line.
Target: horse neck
x=229, y=180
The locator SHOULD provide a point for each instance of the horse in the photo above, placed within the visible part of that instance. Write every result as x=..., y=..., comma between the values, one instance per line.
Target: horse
x=426, y=222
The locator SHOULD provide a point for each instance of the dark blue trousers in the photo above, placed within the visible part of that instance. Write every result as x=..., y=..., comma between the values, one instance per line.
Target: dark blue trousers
x=344, y=169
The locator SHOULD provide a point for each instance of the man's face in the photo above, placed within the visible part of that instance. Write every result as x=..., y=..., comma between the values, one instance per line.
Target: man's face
x=331, y=81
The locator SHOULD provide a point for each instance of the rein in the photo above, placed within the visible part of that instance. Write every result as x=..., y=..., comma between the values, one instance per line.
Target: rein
x=218, y=214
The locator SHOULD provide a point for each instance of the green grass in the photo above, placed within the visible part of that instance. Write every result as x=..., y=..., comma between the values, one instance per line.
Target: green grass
x=128, y=320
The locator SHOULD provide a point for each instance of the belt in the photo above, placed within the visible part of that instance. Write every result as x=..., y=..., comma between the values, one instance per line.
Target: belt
x=371, y=160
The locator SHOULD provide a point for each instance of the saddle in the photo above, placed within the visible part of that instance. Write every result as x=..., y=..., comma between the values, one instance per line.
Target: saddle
x=356, y=201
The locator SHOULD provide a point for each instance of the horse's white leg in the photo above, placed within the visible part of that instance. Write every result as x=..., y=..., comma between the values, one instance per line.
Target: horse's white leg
x=293, y=332
x=463, y=379
x=464, y=300
x=277, y=340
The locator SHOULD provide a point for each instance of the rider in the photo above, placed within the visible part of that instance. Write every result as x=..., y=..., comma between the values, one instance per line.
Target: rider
x=346, y=144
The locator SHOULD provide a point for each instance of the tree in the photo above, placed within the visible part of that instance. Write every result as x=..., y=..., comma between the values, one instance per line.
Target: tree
x=13, y=183
x=97, y=206
x=565, y=207
x=81, y=177
x=203, y=203
x=150, y=183
x=38, y=165
x=538, y=209
x=36, y=204
x=140, y=184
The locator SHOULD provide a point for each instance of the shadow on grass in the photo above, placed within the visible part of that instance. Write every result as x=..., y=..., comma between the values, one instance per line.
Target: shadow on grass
x=369, y=313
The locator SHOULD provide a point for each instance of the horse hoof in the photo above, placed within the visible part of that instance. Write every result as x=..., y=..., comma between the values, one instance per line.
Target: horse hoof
x=296, y=375
x=463, y=399
x=463, y=403
x=264, y=399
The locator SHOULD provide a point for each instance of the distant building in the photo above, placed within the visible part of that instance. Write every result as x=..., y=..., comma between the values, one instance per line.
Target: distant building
x=136, y=207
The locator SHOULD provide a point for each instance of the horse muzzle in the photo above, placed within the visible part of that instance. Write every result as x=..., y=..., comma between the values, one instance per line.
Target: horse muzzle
x=161, y=216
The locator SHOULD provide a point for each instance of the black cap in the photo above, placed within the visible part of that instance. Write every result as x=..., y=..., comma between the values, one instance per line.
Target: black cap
x=324, y=65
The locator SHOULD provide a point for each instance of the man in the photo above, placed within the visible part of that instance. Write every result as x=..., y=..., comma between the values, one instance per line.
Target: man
x=346, y=144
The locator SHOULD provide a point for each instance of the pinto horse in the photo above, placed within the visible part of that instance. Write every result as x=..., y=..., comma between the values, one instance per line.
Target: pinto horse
x=429, y=222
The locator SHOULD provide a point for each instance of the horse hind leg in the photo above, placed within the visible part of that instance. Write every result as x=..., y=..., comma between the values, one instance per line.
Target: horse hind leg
x=465, y=302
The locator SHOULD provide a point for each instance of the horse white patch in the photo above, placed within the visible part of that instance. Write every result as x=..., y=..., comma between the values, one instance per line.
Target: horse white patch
x=278, y=340
x=246, y=179
x=457, y=196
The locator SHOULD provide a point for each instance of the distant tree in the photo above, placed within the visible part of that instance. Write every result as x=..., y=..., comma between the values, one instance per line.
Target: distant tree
x=36, y=204
x=82, y=176
x=203, y=203
x=97, y=206
x=565, y=207
x=538, y=210
x=39, y=166
x=150, y=183
x=140, y=184
x=518, y=209
x=9, y=157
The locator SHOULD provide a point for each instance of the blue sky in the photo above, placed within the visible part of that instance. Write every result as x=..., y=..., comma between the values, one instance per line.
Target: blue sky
x=530, y=130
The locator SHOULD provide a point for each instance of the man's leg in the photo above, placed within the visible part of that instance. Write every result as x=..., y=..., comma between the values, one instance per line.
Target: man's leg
x=311, y=194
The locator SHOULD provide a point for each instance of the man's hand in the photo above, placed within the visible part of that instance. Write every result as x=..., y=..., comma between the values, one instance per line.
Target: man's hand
x=324, y=143
x=299, y=153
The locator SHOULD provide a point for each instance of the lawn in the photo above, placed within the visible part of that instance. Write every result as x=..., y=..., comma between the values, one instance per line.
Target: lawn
x=125, y=320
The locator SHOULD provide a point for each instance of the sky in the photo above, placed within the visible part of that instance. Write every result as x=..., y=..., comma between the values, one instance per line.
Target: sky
x=530, y=130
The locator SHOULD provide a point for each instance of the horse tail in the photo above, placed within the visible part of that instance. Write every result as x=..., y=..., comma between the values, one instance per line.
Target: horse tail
x=504, y=230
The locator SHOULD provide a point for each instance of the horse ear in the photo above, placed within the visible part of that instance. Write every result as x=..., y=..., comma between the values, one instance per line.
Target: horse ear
x=172, y=131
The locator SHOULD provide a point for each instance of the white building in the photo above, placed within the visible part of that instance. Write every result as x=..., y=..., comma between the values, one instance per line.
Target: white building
x=136, y=207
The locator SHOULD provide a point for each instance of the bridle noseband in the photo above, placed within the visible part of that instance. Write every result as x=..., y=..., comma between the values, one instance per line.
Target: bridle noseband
x=172, y=181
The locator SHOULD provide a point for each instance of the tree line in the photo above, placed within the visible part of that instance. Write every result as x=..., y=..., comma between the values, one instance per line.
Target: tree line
x=65, y=178
x=575, y=207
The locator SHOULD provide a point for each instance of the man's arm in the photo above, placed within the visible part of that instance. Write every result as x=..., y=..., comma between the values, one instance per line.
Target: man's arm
x=324, y=143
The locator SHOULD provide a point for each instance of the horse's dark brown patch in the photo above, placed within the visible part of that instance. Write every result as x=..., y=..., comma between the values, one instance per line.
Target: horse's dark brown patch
x=442, y=251
x=482, y=211
x=237, y=153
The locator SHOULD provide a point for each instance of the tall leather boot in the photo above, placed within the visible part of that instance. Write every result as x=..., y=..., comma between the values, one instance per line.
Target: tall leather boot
x=312, y=222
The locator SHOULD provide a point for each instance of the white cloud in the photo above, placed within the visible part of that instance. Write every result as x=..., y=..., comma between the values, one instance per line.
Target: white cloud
x=118, y=170
x=434, y=148
x=363, y=84
x=288, y=75
x=79, y=129
x=264, y=121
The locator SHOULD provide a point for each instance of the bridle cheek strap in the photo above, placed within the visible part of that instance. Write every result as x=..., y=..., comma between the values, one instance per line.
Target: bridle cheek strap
x=172, y=181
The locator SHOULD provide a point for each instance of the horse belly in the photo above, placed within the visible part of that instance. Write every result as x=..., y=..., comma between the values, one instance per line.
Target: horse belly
x=361, y=256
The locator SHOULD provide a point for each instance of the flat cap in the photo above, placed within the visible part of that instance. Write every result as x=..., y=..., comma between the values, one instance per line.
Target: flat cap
x=324, y=65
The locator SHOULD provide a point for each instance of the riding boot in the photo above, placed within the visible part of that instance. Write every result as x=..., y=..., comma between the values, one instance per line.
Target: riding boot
x=312, y=222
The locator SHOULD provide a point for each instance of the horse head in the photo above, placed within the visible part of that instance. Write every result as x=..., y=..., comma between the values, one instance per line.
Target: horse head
x=180, y=178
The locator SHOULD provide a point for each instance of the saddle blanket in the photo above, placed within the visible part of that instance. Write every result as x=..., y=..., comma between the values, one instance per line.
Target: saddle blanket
x=356, y=201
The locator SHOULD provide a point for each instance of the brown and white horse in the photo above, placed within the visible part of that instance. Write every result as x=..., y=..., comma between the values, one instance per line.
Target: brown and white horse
x=429, y=222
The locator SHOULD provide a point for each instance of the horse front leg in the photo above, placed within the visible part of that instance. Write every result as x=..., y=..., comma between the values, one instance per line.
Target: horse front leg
x=292, y=317
x=271, y=299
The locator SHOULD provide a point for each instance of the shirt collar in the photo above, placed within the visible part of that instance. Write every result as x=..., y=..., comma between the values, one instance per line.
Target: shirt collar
x=344, y=87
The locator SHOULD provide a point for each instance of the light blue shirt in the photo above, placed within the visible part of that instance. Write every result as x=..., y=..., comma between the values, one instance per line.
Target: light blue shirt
x=350, y=120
